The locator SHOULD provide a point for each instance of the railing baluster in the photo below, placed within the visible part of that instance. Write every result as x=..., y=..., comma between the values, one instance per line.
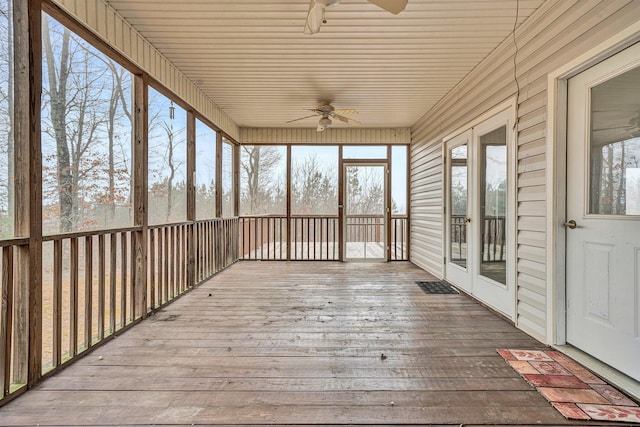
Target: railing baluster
x=123, y=279
x=73, y=296
x=179, y=276
x=132, y=279
x=57, y=303
x=101, y=281
x=88, y=291
x=6, y=320
x=113, y=247
x=151, y=253
x=165, y=266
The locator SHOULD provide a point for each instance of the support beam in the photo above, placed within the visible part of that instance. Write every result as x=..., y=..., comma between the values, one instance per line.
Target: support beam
x=340, y=204
x=191, y=198
x=387, y=213
x=288, y=202
x=218, y=175
x=236, y=179
x=27, y=357
x=140, y=194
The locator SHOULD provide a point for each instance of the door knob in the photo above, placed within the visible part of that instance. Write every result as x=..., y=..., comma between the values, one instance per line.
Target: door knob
x=570, y=224
x=467, y=220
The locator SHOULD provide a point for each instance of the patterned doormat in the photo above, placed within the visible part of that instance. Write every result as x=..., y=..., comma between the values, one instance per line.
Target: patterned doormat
x=436, y=288
x=571, y=388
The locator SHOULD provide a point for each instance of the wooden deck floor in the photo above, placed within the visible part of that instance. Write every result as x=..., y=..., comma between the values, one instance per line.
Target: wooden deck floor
x=299, y=343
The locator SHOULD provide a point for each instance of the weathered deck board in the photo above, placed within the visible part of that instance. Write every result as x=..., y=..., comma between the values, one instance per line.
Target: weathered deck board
x=299, y=343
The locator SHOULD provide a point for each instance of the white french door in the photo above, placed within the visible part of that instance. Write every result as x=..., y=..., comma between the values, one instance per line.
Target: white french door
x=458, y=257
x=603, y=212
x=480, y=193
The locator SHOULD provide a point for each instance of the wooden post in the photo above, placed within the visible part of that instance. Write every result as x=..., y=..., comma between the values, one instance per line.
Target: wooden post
x=218, y=175
x=288, y=222
x=140, y=195
x=407, y=242
x=236, y=179
x=340, y=205
x=387, y=214
x=191, y=197
x=27, y=357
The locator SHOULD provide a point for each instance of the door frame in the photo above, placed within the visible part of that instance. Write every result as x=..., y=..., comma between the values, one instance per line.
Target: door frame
x=502, y=113
x=386, y=209
x=556, y=191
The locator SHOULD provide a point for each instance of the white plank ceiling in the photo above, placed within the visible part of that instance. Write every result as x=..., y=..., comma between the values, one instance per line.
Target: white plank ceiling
x=252, y=58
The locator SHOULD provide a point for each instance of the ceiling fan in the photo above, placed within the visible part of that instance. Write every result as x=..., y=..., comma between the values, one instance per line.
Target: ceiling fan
x=315, y=16
x=326, y=111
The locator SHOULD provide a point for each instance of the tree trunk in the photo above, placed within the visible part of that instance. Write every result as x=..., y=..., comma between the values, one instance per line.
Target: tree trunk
x=58, y=99
x=113, y=108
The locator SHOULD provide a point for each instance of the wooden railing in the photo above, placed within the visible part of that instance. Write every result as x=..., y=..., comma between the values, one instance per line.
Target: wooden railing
x=263, y=237
x=493, y=238
x=399, y=238
x=91, y=288
x=313, y=237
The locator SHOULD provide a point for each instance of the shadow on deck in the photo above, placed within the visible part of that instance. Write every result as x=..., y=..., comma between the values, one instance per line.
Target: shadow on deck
x=299, y=343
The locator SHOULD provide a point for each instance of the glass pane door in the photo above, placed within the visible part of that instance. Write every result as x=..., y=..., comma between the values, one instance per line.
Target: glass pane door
x=458, y=198
x=364, y=212
x=493, y=203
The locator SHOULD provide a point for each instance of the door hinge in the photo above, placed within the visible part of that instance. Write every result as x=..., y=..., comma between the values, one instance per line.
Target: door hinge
x=444, y=260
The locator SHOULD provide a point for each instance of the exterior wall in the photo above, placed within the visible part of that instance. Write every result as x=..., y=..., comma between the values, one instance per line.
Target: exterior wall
x=329, y=136
x=558, y=32
x=107, y=24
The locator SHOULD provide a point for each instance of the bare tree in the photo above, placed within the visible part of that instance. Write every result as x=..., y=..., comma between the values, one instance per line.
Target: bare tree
x=259, y=164
x=75, y=89
x=312, y=188
x=58, y=77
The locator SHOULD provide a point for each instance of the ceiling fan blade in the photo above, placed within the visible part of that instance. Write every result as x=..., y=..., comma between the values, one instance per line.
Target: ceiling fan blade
x=393, y=6
x=314, y=17
x=346, y=112
x=301, y=118
x=346, y=120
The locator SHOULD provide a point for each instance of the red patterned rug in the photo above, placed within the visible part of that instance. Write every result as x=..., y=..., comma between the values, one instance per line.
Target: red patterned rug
x=571, y=388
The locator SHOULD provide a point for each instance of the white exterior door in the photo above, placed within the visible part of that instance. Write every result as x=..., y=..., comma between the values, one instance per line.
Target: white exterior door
x=365, y=211
x=480, y=199
x=603, y=212
x=458, y=259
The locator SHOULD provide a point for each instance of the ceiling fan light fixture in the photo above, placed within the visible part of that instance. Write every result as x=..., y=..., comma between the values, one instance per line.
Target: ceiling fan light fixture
x=325, y=122
x=328, y=3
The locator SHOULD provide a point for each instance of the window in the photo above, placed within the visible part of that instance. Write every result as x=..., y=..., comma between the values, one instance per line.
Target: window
x=263, y=177
x=615, y=146
x=86, y=135
x=493, y=204
x=167, y=160
x=364, y=152
x=6, y=120
x=228, y=194
x=205, y=171
x=399, y=180
x=314, y=180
